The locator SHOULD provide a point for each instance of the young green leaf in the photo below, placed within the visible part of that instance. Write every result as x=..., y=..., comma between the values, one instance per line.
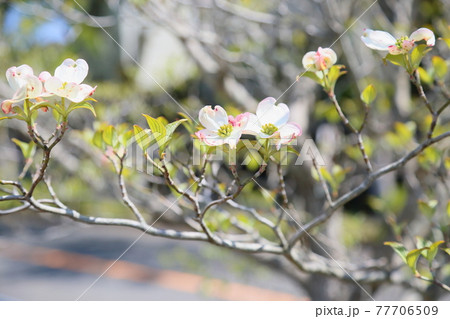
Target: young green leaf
x=417, y=55
x=81, y=105
x=110, y=135
x=395, y=59
x=425, y=77
x=433, y=250
x=97, y=140
x=427, y=208
x=422, y=243
x=170, y=129
x=124, y=137
x=28, y=149
x=142, y=138
x=334, y=73
x=39, y=105
x=448, y=208
x=157, y=128
x=412, y=257
x=440, y=67
x=368, y=94
x=398, y=248
x=163, y=120
x=312, y=75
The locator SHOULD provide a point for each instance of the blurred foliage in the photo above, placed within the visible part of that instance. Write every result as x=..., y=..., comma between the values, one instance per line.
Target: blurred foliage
x=265, y=59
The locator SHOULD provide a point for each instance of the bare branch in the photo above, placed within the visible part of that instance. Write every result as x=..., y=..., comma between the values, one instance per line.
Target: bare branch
x=364, y=186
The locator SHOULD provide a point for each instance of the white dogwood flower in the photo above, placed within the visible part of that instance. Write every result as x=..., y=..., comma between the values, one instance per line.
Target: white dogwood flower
x=271, y=121
x=25, y=85
x=322, y=59
x=219, y=127
x=67, y=81
x=384, y=41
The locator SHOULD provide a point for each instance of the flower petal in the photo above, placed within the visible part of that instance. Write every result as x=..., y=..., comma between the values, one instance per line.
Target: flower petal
x=20, y=94
x=6, y=105
x=286, y=134
x=33, y=86
x=253, y=126
x=209, y=137
x=308, y=61
x=44, y=76
x=289, y=131
x=82, y=93
x=269, y=113
x=71, y=91
x=16, y=76
x=211, y=118
x=377, y=40
x=325, y=58
x=53, y=84
x=423, y=34
x=72, y=71
x=240, y=121
x=330, y=53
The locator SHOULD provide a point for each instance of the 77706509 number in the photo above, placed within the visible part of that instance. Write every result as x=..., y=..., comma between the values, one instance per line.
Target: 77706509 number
x=410, y=310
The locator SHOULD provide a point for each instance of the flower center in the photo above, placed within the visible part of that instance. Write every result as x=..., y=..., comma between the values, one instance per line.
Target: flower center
x=269, y=129
x=225, y=130
x=399, y=42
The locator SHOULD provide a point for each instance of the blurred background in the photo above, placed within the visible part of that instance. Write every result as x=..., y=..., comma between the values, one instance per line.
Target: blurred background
x=164, y=57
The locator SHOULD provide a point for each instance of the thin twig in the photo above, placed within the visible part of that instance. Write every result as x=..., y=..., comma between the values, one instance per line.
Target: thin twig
x=365, y=184
x=349, y=125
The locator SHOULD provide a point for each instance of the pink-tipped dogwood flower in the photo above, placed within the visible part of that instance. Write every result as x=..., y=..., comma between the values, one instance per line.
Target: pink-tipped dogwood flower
x=320, y=60
x=25, y=85
x=219, y=127
x=67, y=81
x=271, y=121
x=384, y=41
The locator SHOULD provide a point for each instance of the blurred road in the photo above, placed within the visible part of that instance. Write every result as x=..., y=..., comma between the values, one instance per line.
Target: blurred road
x=61, y=262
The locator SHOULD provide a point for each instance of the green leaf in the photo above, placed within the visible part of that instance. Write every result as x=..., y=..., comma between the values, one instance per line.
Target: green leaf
x=163, y=120
x=404, y=133
x=396, y=59
x=28, y=149
x=422, y=243
x=427, y=208
x=448, y=208
x=440, y=67
x=424, y=76
x=398, y=248
x=142, y=138
x=125, y=137
x=110, y=135
x=339, y=173
x=447, y=250
x=334, y=73
x=433, y=250
x=290, y=149
x=312, y=75
x=189, y=125
x=97, y=139
x=18, y=110
x=413, y=256
x=170, y=129
x=11, y=117
x=369, y=94
x=39, y=105
x=157, y=128
x=81, y=105
x=417, y=55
